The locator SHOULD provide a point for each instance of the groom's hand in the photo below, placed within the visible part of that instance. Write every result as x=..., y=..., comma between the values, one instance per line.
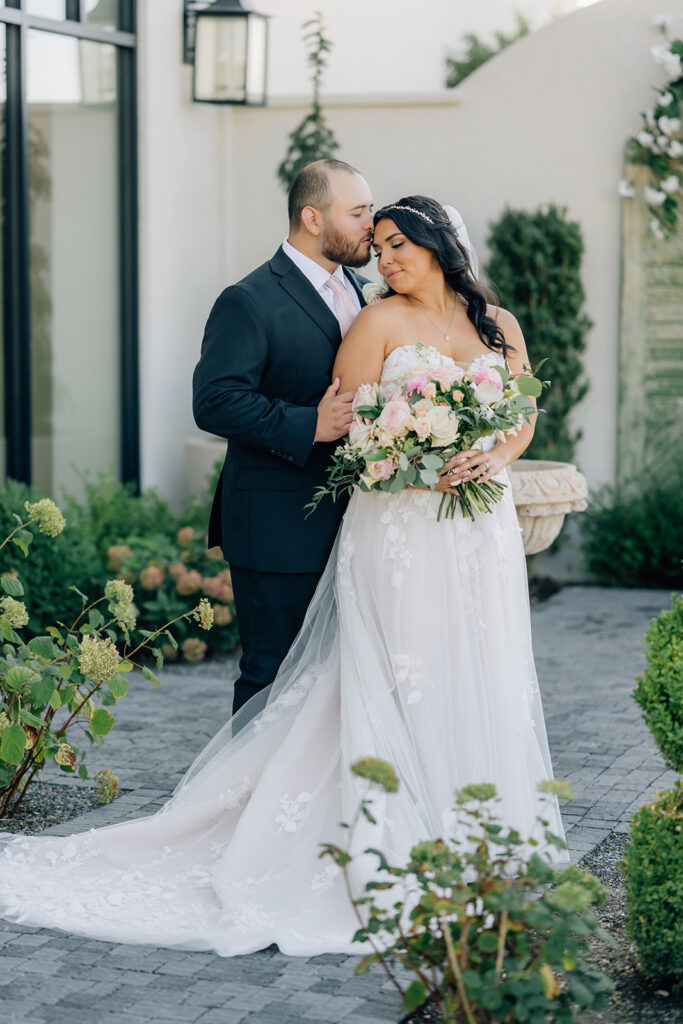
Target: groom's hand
x=334, y=413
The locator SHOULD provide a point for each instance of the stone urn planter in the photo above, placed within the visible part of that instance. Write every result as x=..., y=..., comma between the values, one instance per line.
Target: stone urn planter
x=201, y=453
x=544, y=492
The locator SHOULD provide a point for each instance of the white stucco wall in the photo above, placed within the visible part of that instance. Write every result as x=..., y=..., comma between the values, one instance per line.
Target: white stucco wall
x=185, y=161
x=385, y=45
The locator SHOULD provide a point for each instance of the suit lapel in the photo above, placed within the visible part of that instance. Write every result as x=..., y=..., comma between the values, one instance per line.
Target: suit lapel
x=304, y=294
x=357, y=287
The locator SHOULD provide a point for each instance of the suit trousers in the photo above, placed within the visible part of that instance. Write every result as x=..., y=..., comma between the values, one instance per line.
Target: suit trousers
x=270, y=609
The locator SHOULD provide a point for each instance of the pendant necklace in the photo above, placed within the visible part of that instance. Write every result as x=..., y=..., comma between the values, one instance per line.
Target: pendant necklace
x=446, y=336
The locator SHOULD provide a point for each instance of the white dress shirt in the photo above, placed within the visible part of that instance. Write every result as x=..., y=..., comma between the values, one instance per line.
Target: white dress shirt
x=318, y=276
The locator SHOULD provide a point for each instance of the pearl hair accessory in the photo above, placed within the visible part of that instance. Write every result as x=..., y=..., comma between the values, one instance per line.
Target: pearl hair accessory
x=411, y=209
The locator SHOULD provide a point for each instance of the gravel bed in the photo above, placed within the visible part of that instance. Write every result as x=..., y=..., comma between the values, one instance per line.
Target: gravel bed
x=50, y=803
x=636, y=1000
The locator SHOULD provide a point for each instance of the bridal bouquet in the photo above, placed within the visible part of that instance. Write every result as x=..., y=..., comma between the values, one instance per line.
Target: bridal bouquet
x=408, y=439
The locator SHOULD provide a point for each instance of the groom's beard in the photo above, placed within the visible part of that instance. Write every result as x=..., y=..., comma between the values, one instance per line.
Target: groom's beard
x=338, y=249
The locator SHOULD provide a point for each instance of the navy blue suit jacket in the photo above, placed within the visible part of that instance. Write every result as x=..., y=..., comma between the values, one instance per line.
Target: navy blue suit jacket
x=267, y=355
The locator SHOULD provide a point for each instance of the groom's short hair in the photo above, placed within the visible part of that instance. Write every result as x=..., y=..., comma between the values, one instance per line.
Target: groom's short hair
x=311, y=187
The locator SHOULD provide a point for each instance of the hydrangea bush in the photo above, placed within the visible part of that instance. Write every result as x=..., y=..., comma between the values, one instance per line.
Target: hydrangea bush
x=491, y=931
x=58, y=687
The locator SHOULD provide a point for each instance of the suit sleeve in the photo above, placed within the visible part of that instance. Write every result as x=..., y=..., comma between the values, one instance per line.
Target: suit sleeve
x=227, y=378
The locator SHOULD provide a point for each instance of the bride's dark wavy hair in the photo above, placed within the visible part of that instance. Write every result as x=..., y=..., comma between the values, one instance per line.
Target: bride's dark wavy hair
x=439, y=236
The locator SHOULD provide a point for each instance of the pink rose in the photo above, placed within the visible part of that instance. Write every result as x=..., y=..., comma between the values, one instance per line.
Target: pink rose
x=396, y=419
x=446, y=376
x=422, y=427
x=379, y=470
x=488, y=385
x=458, y=395
x=429, y=390
x=416, y=383
x=360, y=432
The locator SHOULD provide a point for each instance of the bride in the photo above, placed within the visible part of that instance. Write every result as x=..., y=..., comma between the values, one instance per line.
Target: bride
x=415, y=649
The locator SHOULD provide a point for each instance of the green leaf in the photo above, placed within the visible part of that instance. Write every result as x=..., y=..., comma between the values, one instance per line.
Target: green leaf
x=54, y=632
x=101, y=722
x=415, y=995
x=41, y=690
x=43, y=647
x=403, y=461
x=488, y=942
x=7, y=631
x=22, y=539
x=529, y=386
x=432, y=461
x=148, y=674
x=108, y=699
x=126, y=666
x=17, y=676
x=13, y=744
x=12, y=586
x=429, y=477
x=30, y=719
x=95, y=618
x=171, y=639
x=80, y=593
x=83, y=771
x=55, y=700
x=118, y=686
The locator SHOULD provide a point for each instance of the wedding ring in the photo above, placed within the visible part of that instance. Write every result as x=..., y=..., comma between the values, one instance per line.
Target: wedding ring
x=485, y=466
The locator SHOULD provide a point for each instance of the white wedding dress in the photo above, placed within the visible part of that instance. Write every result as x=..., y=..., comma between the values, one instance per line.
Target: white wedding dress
x=416, y=649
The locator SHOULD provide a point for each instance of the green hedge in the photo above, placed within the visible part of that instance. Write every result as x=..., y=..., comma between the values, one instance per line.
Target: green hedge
x=535, y=269
x=660, y=688
x=654, y=875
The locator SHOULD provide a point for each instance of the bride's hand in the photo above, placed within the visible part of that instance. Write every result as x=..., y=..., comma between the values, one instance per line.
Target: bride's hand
x=474, y=465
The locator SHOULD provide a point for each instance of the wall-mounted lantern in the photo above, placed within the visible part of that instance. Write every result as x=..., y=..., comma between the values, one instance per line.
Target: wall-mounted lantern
x=227, y=43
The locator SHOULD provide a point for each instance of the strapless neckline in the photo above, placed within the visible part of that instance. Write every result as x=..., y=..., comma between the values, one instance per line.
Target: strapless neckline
x=464, y=363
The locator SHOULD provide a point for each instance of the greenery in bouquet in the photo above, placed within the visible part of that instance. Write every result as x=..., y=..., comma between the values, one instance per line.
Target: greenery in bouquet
x=488, y=927
x=57, y=688
x=407, y=440
x=169, y=576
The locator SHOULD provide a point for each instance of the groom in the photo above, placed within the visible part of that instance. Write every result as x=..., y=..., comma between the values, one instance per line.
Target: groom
x=263, y=382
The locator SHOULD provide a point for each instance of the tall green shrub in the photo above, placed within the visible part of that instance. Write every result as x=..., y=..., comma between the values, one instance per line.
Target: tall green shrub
x=535, y=268
x=654, y=860
x=312, y=139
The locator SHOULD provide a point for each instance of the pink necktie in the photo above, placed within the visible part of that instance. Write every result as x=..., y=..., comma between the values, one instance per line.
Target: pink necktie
x=344, y=307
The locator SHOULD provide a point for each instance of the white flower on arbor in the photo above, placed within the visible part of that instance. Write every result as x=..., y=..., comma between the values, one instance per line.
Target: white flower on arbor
x=670, y=184
x=646, y=139
x=656, y=229
x=675, y=148
x=665, y=99
x=669, y=125
x=626, y=189
x=671, y=62
x=662, y=21
x=653, y=196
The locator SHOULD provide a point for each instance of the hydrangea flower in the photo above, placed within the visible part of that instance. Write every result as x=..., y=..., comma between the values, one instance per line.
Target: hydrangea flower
x=98, y=659
x=48, y=516
x=14, y=611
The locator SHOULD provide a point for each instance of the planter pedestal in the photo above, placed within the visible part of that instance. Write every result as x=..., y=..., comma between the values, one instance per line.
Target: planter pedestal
x=544, y=492
x=201, y=454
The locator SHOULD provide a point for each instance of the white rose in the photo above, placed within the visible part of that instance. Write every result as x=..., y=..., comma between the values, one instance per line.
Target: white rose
x=675, y=148
x=670, y=184
x=656, y=229
x=373, y=292
x=443, y=425
x=365, y=395
x=360, y=434
x=626, y=189
x=669, y=125
x=653, y=197
x=646, y=139
x=665, y=99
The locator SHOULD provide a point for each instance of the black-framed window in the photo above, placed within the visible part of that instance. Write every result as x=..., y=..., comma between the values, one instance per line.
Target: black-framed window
x=69, y=260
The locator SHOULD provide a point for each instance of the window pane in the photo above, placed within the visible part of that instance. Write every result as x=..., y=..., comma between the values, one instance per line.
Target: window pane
x=3, y=95
x=74, y=258
x=101, y=13
x=46, y=8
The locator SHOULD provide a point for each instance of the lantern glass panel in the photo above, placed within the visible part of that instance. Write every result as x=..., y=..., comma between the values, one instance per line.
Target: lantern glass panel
x=256, y=60
x=220, y=59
